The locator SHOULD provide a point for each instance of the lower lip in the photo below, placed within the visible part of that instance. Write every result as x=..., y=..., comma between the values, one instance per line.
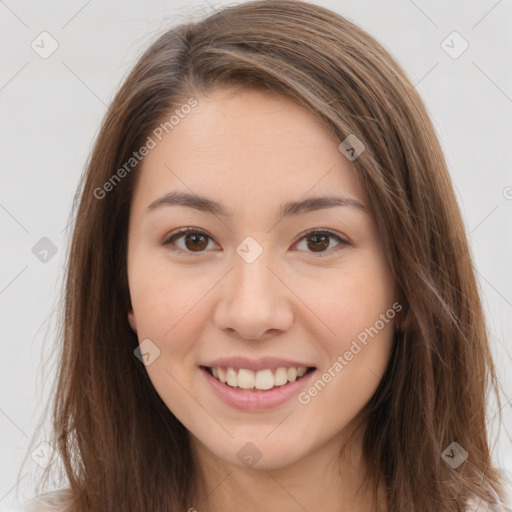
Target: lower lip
x=256, y=400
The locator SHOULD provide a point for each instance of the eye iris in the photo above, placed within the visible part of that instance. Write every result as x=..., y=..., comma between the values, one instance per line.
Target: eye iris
x=196, y=242
x=195, y=237
x=323, y=244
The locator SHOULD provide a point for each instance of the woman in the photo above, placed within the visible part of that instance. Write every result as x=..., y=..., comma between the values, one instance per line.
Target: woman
x=270, y=301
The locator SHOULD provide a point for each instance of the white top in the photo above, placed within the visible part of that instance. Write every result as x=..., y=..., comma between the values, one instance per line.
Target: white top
x=42, y=505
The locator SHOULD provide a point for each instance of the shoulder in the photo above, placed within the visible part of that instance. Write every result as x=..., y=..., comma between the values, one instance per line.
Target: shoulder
x=476, y=504
x=479, y=505
x=55, y=501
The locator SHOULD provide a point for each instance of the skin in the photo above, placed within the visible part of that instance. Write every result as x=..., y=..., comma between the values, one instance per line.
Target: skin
x=252, y=151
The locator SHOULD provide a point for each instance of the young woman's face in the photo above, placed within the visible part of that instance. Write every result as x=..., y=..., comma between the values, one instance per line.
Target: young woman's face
x=247, y=295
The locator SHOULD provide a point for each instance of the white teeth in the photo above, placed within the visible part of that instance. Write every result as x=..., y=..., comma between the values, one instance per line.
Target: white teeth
x=245, y=379
x=281, y=377
x=262, y=379
x=231, y=378
x=292, y=374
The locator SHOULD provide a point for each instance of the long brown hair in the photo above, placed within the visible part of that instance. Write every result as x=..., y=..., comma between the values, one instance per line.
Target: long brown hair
x=122, y=449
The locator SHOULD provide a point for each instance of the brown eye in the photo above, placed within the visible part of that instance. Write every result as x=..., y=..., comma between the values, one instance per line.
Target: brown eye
x=318, y=242
x=195, y=241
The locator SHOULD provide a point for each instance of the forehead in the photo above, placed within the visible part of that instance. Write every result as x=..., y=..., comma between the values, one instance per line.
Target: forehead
x=247, y=147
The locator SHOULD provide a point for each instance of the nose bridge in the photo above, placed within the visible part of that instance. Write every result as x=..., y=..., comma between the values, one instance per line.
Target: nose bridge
x=254, y=299
x=252, y=277
x=251, y=273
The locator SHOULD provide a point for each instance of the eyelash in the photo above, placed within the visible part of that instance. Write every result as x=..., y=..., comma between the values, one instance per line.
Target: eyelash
x=184, y=231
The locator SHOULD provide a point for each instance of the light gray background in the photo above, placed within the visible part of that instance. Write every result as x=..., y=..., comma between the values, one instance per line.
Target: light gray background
x=51, y=109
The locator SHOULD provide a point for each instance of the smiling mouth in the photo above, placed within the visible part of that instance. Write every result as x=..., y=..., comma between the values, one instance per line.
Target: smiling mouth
x=244, y=379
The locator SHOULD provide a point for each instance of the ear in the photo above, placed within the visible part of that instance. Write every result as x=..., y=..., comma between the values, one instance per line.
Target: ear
x=132, y=321
x=399, y=322
x=402, y=319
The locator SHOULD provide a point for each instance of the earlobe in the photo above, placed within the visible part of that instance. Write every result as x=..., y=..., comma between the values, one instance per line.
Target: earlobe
x=132, y=321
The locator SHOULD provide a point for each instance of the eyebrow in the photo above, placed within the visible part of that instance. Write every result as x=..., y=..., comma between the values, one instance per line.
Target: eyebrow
x=204, y=204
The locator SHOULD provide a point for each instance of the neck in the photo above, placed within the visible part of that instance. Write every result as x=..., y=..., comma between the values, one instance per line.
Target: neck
x=327, y=480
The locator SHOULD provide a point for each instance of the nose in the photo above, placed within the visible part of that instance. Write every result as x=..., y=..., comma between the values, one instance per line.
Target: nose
x=254, y=300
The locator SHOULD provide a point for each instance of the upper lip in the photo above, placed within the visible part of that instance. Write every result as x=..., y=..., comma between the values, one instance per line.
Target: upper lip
x=255, y=364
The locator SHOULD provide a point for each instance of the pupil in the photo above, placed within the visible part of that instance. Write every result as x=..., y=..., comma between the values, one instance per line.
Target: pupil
x=319, y=241
x=325, y=239
x=195, y=238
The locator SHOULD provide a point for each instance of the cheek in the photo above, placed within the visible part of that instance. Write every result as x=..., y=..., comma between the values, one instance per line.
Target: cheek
x=165, y=302
x=358, y=308
x=171, y=311
x=353, y=300
x=354, y=363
